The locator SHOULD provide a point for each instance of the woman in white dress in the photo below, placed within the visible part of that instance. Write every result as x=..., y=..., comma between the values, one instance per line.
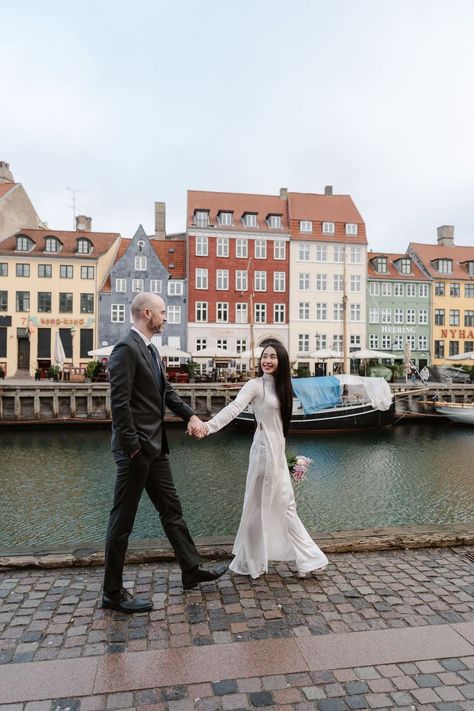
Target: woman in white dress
x=269, y=528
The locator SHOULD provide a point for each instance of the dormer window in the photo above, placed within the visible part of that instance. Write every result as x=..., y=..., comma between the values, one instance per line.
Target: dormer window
x=328, y=228
x=201, y=218
x=306, y=226
x=351, y=229
x=274, y=221
x=444, y=266
x=52, y=244
x=84, y=246
x=171, y=250
x=250, y=219
x=23, y=243
x=380, y=265
x=469, y=267
x=225, y=218
x=404, y=265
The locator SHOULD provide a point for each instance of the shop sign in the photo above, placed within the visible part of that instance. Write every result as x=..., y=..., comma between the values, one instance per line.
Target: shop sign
x=457, y=333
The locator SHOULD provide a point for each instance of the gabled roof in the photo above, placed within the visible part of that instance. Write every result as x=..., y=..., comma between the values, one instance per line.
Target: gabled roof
x=392, y=272
x=101, y=241
x=6, y=187
x=238, y=204
x=315, y=208
x=429, y=253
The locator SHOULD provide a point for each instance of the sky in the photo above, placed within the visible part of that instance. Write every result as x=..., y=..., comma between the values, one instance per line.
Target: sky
x=131, y=103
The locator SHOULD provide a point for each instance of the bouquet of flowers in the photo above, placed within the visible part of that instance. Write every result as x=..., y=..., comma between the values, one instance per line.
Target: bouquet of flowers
x=298, y=465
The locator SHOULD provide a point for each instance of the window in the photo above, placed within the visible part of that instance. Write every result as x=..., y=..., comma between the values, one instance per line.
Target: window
x=469, y=318
x=321, y=282
x=201, y=344
x=337, y=343
x=222, y=279
x=3, y=300
x=51, y=244
x=321, y=253
x=202, y=247
x=22, y=300
x=455, y=289
x=386, y=288
x=338, y=282
x=439, y=288
x=423, y=290
x=260, y=249
x=439, y=349
x=241, y=280
x=453, y=348
x=201, y=310
x=260, y=313
x=175, y=287
x=222, y=312
x=279, y=313
x=65, y=303
x=354, y=343
x=222, y=249
x=355, y=312
x=374, y=315
x=439, y=317
x=222, y=343
x=87, y=272
x=410, y=316
x=423, y=317
x=86, y=336
x=117, y=313
x=444, y=266
x=303, y=252
x=380, y=264
x=250, y=219
x=328, y=228
x=201, y=218
x=321, y=341
x=422, y=343
x=468, y=291
x=84, y=246
x=138, y=285
x=44, y=343
x=386, y=342
x=338, y=311
x=44, y=301
x=87, y=303
x=355, y=282
x=454, y=317
x=279, y=281
x=303, y=343
x=321, y=311
x=260, y=280
x=23, y=270
x=468, y=346
x=225, y=218
x=386, y=315
x=241, y=345
x=410, y=289
x=338, y=254
x=66, y=271
x=140, y=263
x=351, y=229
x=241, y=248
x=470, y=270
x=120, y=285
x=201, y=278
x=306, y=226
x=241, y=313
x=303, y=310
x=279, y=249
x=3, y=269
x=411, y=341
x=374, y=288
x=173, y=314
x=356, y=255
x=373, y=341
x=23, y=244
x=155, y=286
x=274, y=221
x=398, y=289
x=398, y=316
x=174, y=342
x=404, y=265
x=303, y=282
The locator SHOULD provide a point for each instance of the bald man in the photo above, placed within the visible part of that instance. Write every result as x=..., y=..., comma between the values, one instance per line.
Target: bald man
x=139, y=394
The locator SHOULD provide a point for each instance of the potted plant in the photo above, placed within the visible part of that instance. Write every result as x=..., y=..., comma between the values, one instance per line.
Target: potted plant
x=91, y=368
x=37, y=374
x=54, y=372
x=191, y=370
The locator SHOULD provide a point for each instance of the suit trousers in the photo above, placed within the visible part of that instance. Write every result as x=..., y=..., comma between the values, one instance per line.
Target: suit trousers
x=153, y=475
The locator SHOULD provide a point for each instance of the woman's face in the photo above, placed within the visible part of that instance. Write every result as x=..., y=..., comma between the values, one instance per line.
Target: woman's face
x=269, y=360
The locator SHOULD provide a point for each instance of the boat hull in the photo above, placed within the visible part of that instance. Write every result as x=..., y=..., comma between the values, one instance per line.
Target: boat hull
x=463, y=415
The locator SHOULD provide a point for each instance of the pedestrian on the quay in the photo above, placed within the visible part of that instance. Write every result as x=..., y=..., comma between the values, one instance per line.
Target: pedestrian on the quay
x=139, y=394
x=413, y=374
x=270, y=528
x=425, y=374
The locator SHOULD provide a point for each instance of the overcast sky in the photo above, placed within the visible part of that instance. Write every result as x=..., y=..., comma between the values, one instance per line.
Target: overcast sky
x=133, y=102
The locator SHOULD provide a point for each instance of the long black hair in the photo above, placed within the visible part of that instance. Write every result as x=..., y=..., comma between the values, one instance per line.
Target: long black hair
x=282, y=379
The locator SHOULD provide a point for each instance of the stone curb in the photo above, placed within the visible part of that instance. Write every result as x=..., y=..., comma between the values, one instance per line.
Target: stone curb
x=220, y=547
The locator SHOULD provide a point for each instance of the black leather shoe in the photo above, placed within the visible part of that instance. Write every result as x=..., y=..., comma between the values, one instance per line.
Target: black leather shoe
x=125, y=602
x=192, y=578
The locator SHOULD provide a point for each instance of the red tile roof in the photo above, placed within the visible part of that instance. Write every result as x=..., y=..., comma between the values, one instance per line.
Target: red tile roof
x=393, y=273
x=101, y=241
x=238, y=204
x=317, y=209
x=6, y=187
x=428, y=253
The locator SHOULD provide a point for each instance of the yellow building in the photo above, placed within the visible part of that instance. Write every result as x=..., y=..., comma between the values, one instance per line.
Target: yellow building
x=452, y=271
x=49, y=282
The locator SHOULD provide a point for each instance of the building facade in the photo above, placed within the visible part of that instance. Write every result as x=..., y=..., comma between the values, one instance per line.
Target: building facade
x=16, y=208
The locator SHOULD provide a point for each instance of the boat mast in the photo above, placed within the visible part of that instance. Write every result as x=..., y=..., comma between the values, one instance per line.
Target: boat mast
x=345, y=322
x=252, y=339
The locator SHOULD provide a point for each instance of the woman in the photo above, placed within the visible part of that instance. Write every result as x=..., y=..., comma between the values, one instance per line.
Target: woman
x=269, y=528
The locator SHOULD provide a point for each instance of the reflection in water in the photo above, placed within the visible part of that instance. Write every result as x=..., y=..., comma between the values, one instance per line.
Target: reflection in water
x=56, y=487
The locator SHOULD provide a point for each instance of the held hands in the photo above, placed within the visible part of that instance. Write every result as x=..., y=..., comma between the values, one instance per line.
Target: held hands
x=197, y=428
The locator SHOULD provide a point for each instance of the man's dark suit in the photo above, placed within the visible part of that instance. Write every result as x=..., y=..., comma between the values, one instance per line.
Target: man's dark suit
x=139, y=393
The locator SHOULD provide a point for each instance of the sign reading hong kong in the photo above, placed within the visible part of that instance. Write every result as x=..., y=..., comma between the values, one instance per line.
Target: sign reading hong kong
x=36, y=321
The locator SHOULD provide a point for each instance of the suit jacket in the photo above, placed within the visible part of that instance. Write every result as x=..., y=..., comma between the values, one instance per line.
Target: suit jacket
x=138, y=399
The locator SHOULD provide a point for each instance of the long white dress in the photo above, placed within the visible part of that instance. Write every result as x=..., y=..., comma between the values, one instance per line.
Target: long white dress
x=269, y=528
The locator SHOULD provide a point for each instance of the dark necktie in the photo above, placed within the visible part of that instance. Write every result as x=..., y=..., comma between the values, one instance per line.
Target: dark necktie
x=156, y=365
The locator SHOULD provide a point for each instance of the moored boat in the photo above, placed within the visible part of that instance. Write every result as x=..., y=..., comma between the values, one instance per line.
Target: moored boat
x=457, y=412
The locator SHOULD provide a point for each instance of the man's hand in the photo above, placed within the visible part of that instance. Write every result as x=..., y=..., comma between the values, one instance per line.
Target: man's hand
x=197, y=428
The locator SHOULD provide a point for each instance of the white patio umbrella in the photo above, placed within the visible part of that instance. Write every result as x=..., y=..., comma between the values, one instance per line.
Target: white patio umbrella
x=367, y=353
x=101, y=352
x=407, y=356
x=325, y=354
x=167, y=351
x=257, y=352
x=59, y=354
x=212, y=352
x=462, y=356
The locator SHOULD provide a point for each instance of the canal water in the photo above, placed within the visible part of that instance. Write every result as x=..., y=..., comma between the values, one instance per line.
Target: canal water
x=56, y=486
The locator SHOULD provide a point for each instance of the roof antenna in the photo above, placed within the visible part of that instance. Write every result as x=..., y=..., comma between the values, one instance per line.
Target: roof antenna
x=74, y=204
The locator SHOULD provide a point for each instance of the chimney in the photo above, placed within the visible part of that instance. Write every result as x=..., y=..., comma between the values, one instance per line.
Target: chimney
x=446, y=236
x=160, y=220
x=83, y=223
x=5, y=173
x=284, y=193
x=328, y=189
